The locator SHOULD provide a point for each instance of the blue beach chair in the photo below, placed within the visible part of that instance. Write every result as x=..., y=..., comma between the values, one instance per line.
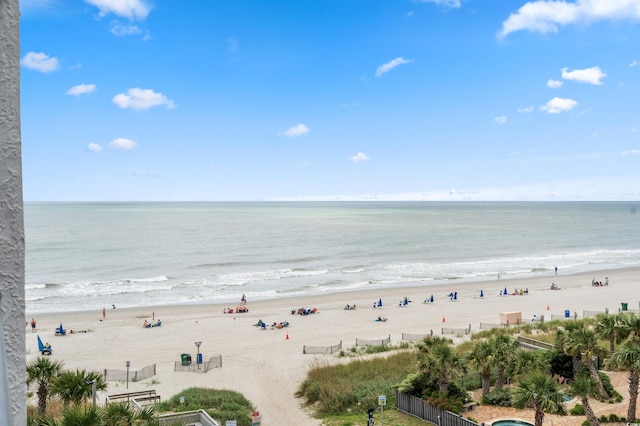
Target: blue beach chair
x=44, y=349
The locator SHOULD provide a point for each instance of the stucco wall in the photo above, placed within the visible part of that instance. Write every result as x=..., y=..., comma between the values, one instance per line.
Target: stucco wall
x=11, y=211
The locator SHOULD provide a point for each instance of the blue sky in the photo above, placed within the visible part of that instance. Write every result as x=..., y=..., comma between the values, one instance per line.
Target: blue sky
x=330, y=99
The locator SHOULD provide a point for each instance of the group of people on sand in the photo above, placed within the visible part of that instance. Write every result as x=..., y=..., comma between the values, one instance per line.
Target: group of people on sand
x=516, y=292
x=263, y=325
x=600, y=283
x=554, y=286
x=148, y=324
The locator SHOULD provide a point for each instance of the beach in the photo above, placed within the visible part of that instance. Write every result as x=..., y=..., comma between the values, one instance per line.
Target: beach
x=267, y=365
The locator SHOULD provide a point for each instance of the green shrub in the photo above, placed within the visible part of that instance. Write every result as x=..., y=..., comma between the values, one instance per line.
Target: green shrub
x=577, y=410
x=500, y=397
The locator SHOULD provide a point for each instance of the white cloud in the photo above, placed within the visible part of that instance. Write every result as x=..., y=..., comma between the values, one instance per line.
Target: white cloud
x=297, y=130
x=123, y=30
x=94, y=147
x=122, y=143
x=40, y=62
x=500, y=120
x=526, y=109
x=359, y=157
x=631, y=152
x=454, y=4
x=385, y=68
x=131, y=9
x=634, y=63
x=554, y=84
x=141, y=99
x=546, y=16
x=81, y=89
x=591, y=75
x=558, y=105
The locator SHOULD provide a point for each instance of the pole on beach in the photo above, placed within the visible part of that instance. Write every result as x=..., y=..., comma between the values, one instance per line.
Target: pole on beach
x=128, y=364
x=198, y=354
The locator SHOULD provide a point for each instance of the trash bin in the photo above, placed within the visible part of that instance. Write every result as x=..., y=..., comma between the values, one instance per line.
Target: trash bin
x=199, y=359
x=567, y=313
x=186, y=359
x=624, y=306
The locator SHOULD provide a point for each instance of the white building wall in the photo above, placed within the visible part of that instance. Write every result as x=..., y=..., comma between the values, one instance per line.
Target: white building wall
x=12, y=303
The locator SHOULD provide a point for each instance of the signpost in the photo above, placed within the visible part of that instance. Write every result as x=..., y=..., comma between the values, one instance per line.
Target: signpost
x=382, y=401
x=128, y=364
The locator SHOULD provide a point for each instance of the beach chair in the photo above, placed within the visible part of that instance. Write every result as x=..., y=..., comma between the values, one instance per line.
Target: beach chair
x=44, y=349
x=60, y=331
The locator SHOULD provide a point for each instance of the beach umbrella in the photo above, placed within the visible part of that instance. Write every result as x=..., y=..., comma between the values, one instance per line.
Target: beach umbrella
x=505, y=291
x=431, y=300
x=481, y=294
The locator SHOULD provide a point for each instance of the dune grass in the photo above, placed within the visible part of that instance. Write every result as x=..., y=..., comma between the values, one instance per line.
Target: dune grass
x=354, y=387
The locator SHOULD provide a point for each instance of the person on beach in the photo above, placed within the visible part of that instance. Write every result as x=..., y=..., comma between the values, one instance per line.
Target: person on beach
x=556, y=271
x=244, y=299
x=104, y=312
x=33, y=325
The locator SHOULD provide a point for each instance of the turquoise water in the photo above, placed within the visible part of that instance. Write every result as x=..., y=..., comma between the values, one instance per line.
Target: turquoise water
x=511, y=423
x=92, y=255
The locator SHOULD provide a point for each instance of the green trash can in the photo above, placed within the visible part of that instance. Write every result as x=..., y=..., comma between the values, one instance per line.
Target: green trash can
x=624, y=306
x=186, y=359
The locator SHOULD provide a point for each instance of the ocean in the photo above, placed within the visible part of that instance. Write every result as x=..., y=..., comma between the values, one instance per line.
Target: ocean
x=85, y=256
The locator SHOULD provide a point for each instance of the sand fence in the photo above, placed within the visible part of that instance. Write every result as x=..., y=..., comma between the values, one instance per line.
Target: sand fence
x=213, y=362
x=322, y=349
x=133, y=375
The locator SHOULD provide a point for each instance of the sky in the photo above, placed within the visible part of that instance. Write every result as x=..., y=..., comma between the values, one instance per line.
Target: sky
x=242, y=100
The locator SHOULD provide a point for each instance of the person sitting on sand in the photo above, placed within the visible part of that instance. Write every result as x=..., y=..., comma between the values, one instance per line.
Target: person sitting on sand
x=146, y=323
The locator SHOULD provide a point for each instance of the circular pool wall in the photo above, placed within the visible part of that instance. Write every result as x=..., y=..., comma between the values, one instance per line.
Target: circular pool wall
x=511, y=422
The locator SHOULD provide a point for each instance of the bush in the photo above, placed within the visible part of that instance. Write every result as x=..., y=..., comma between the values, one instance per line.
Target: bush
x=577, y=410
x=500, y=397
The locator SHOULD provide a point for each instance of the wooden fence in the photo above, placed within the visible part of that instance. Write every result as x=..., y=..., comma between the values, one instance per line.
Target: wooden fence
x=417, y=407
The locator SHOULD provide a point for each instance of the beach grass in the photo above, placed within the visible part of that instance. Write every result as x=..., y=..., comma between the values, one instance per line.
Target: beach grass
x=355, y=387
x=219, y=404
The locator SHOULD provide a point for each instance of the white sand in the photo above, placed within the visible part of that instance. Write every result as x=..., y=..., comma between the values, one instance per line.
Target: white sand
x=267, y=367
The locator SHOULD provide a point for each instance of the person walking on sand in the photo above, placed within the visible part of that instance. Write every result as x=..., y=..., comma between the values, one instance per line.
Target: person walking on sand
x=104, y=313
x=556, y=271
x=33, y=325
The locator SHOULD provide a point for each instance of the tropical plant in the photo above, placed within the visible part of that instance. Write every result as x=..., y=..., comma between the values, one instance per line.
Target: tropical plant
x=627, y=357
x=583, y=386
x=504, y=348
x=610, y=327
x=77, y=386
x=585, y=342
x=438, y=359
x=480, y=356
x=43, y=371
x=540, y=391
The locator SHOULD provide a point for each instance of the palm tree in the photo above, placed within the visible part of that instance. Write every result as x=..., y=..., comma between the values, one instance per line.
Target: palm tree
x=504, y=349
x=627, y=357
x=585, y=342
x=540, y=391
x=89, y=415
x=583, y=386
x=438, y=359
x=525, y=362
x=76, y=386
x=480, y=356
x=43, y=371
x=609, y=327
x=562, y=337
x=124, y=414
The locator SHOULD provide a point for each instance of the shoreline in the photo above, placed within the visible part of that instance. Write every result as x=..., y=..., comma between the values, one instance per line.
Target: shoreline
x=435, y=286
x=267, y=366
